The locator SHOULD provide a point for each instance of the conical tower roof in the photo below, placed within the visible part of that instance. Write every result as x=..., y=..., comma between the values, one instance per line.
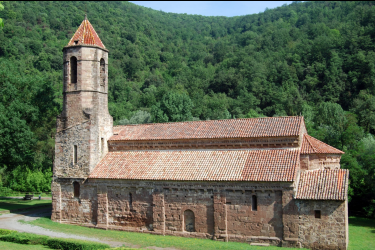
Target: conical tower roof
x=86, y=35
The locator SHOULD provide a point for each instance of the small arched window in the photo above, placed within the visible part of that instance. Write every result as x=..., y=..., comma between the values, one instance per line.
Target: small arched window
x=73, y=69
x=254, y=203
x=189, y=219
x=102, y=72
x=76, y=189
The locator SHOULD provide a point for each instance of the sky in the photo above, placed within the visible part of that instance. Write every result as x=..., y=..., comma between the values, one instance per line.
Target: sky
x=212, y=8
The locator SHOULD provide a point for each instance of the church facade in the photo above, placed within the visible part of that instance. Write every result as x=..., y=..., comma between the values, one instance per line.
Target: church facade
x=263, y=181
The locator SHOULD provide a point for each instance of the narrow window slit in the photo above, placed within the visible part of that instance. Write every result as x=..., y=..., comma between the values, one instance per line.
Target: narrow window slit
x=76, y=189
x=254, y=203
x=75, y=154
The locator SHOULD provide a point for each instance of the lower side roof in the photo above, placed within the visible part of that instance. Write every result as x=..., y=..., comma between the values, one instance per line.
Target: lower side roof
x=327, y=184
x=200, y=165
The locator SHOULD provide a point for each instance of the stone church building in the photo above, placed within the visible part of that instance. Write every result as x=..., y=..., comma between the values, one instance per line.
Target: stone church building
x=258, y=180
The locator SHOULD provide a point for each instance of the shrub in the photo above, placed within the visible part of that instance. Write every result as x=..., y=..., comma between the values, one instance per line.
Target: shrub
x=6, y=231
x=120, y=248
x=70, y=244
x=24, y=238
x=54, y=243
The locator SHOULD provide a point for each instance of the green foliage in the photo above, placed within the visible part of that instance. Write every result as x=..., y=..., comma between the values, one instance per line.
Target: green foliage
x=364, y=106
x=53, y=243
x=15, y=246
x=139, y=117
x=70, y=244
x=311, y=58
x=6, y=231
x=24, y=180
x=174, y=107
x=1, y=20
x=119, y=248
x=25, y=238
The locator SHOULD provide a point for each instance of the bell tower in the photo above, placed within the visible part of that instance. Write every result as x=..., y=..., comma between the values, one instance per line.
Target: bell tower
x=85, y=125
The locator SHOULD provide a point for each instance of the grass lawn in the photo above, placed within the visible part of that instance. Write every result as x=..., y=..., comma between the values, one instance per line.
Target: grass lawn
x=361, y=233
x=15, y=246
x=10, y=204
x=361, y=236
x=145, y=240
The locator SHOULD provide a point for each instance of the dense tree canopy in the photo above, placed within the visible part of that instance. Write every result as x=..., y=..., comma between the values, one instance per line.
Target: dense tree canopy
x=314, y=59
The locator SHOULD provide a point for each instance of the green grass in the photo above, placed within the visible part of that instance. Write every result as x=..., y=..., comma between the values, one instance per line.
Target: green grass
x=361, y=236
x=15, y=246
x=145, y=240
x=10, y=204
x=361, y=233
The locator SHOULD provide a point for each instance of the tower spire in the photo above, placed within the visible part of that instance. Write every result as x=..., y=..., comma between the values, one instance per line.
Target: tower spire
x=86, y=35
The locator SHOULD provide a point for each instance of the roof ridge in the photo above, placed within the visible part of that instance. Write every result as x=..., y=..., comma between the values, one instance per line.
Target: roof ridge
x=308, y=140
x=325, y=144
x=302, y=122
x=235, y=119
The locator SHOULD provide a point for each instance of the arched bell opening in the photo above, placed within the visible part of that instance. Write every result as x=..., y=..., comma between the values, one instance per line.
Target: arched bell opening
x=102, y=72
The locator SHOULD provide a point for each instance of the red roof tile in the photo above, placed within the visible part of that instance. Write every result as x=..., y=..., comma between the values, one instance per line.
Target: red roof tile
x=199, y=165
x=324, y=184
x=310, y=145
x=86, y=35
x=271, y=165
x=231, y=128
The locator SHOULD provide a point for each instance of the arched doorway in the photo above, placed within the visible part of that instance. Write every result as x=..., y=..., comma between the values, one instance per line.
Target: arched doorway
x=189, y=220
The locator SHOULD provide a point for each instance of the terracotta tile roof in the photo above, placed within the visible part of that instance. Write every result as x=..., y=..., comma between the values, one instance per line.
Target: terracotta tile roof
x=86, y=35
x=231, y=128
x=200, y=165
x=324, y=184
x=310, y=145
x=271, y=165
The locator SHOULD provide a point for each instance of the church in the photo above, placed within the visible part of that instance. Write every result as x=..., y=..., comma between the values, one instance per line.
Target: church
x=262, y=181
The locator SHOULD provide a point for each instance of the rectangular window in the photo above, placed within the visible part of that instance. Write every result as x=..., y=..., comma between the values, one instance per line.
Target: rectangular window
x=102, y=145
x=75, y=154
x=130, y=200
x=76, y=189
x=317, y=214
x=254, y=203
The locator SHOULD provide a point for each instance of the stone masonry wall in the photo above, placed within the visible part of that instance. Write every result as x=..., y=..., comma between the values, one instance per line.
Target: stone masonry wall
x=64, y=142
x=222, y=211
x=266, y=221
x=327, y=232
x=85, y=120
x=320, y=161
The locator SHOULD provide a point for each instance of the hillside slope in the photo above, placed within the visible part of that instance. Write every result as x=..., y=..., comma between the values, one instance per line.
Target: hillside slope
x=314, y=59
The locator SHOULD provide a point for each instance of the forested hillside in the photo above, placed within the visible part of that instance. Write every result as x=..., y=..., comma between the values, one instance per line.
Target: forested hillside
x=314, y=59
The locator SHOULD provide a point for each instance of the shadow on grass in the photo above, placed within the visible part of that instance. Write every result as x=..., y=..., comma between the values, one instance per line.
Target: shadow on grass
x=22, y=206
x=362, y=222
